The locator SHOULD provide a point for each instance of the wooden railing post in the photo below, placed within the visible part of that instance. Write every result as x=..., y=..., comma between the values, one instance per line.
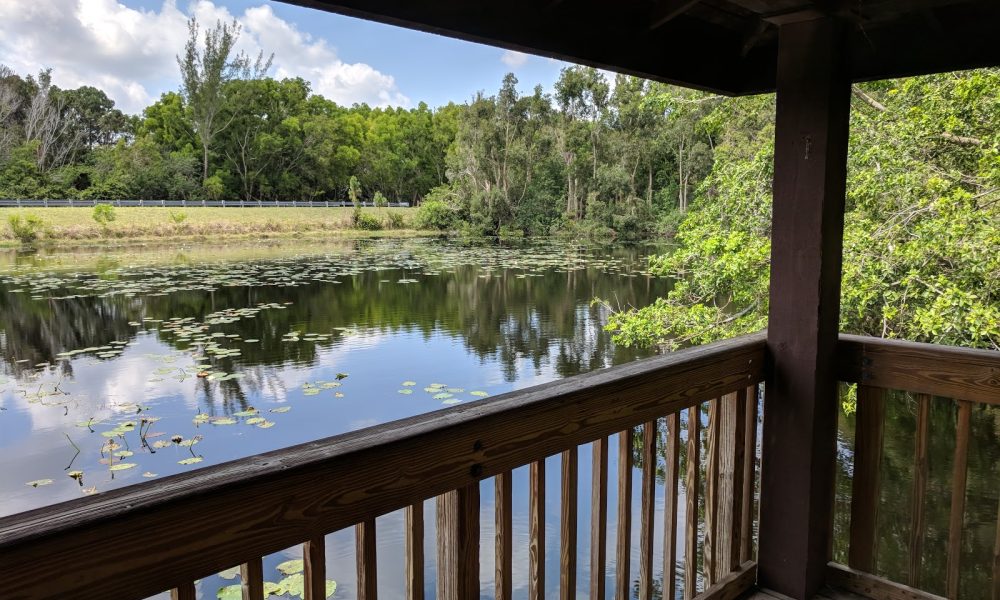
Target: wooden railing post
x=567, y=518
x=671, y=472
x=598, y=518
x=367, y=560
x=865, y=484
x=536, y=533
x=623, y=550
x=691, y=507
x=314, y=560
x=413, y=520
x=504, y=543
x=800, y=415
x=921, y=473
x=458, y=544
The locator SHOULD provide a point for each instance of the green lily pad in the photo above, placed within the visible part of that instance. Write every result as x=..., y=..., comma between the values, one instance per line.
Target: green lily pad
x=409, y=383
x=405, y=391
x=290, y=567
x=479, y=394
x=123, y=466
x=265, y=425
x=281, y=409
x=39, y=482
x=190, y=461
x=223, y=421
x=230, y=573
x=442, y=396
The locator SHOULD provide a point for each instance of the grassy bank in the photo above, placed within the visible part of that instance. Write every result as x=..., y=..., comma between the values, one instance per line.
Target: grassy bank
x=76, y=226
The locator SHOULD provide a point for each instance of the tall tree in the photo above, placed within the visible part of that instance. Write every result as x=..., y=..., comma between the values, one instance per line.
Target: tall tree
x=205, y=71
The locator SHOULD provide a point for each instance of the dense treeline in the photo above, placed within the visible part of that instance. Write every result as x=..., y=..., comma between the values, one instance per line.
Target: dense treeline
x=922, y=223
x=594, y=156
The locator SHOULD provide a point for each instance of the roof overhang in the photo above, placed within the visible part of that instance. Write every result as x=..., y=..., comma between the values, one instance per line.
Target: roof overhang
x=725, y=46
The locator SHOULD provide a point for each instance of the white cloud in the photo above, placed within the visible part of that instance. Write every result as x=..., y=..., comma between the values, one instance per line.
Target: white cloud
x=130, y=53
x=513, y=58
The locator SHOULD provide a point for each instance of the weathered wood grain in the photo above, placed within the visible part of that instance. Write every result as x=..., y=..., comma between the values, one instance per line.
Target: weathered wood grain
x=567, y=525
x=672, y=452
x=458, y=544
x=184, y=592
x=252, y=579
x=598, y=518
x=413, y=552
x=536, y=530
x=314, y=571
x=623, y=549
x=300, y=492
x=504, y=570
x=647, y=511
x=732, y=586
x=921, y=473
x=731, y=447
x=367, y=560
x=865, y=484
x=956, y=517
x=691, y=507
x=996, y=560
x=871, y=586
x=948, y=371
x=711, y=494
x=749, y=476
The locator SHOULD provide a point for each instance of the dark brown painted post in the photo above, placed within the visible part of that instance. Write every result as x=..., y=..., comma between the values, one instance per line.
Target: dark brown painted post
x=800, y=413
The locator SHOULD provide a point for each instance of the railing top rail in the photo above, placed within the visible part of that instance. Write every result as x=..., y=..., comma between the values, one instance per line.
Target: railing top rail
x=146, y=538
x=949, y=371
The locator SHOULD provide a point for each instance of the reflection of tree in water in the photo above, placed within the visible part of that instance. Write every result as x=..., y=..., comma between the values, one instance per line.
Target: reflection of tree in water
x=499, y=315
x=895, y=504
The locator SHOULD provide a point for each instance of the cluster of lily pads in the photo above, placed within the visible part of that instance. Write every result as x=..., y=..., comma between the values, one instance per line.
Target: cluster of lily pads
x=292, y=584
x=440, y=391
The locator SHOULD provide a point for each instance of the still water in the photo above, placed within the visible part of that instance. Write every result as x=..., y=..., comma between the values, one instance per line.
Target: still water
x=124, y=367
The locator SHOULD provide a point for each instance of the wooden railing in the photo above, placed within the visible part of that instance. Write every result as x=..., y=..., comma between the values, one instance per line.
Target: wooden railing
x=141, y=540
x=934, y=374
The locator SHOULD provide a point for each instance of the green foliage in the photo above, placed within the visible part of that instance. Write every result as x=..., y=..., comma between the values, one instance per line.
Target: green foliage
x=379, y=200
x=921, y=243
x=104, y=214
x=25, y=228
x=435, y=214
x=178, y=217
x=354, y=191
x=366, y=221
x=394, y=220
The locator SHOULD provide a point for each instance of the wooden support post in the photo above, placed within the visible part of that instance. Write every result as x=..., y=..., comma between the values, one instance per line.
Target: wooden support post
x=367, y=560
x=413, y=551
x=536, y=531
x=921, y=474
x=314, y=568
x=800, y=414
x=623, y=550
x=671, y=471
x=252, y=579
x=648, y=511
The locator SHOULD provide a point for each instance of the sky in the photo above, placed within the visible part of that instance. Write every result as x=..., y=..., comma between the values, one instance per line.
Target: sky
x=128, y=49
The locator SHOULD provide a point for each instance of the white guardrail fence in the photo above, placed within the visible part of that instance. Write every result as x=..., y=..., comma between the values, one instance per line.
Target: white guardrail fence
x=50, y=203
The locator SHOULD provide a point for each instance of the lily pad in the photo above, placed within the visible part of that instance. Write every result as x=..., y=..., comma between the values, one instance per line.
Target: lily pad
x=479, y=394
x=281, y=409
x=123, y=466
x=290, y=567
x=409, y=383
x=405, y=391
x=190, y=461
x=39, y=482
x=230, y=573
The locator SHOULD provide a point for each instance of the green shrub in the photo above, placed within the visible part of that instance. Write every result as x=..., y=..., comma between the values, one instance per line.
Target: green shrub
x=103, y=214
x=25, y=228
x=178, y=217
x=394, y=220
x=510, y=232
x=366, y=221
x=435, y=214
x=380, y=200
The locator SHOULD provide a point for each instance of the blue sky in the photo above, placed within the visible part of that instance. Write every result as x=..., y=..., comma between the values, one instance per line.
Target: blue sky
x=127, y=48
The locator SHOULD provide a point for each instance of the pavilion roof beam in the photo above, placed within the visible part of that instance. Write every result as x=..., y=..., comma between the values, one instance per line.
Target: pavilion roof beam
x=667, y=10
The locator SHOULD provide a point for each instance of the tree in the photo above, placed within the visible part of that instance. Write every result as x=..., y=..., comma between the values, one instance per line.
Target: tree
x=205, y=71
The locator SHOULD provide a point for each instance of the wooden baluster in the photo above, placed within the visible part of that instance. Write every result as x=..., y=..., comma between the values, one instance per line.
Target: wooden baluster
x=865, y=486
x=921, y=472
x=314, y=560
x=413, y=523
x=672, y=454
x=598, y=518
x=711, y=494
x=749, y=475
x=691, y=510
x=996, y=560
x=536, y=543
x=567, y=518
x=648, y=511
x=624, y=548
x=504, y=536
x=458, y=544
x=731, y=448
x=958, y=484
x=252, y=579
x=367, y=561
x=184, y=592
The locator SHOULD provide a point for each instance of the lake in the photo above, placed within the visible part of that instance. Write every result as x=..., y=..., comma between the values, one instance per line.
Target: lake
x=125, y=366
